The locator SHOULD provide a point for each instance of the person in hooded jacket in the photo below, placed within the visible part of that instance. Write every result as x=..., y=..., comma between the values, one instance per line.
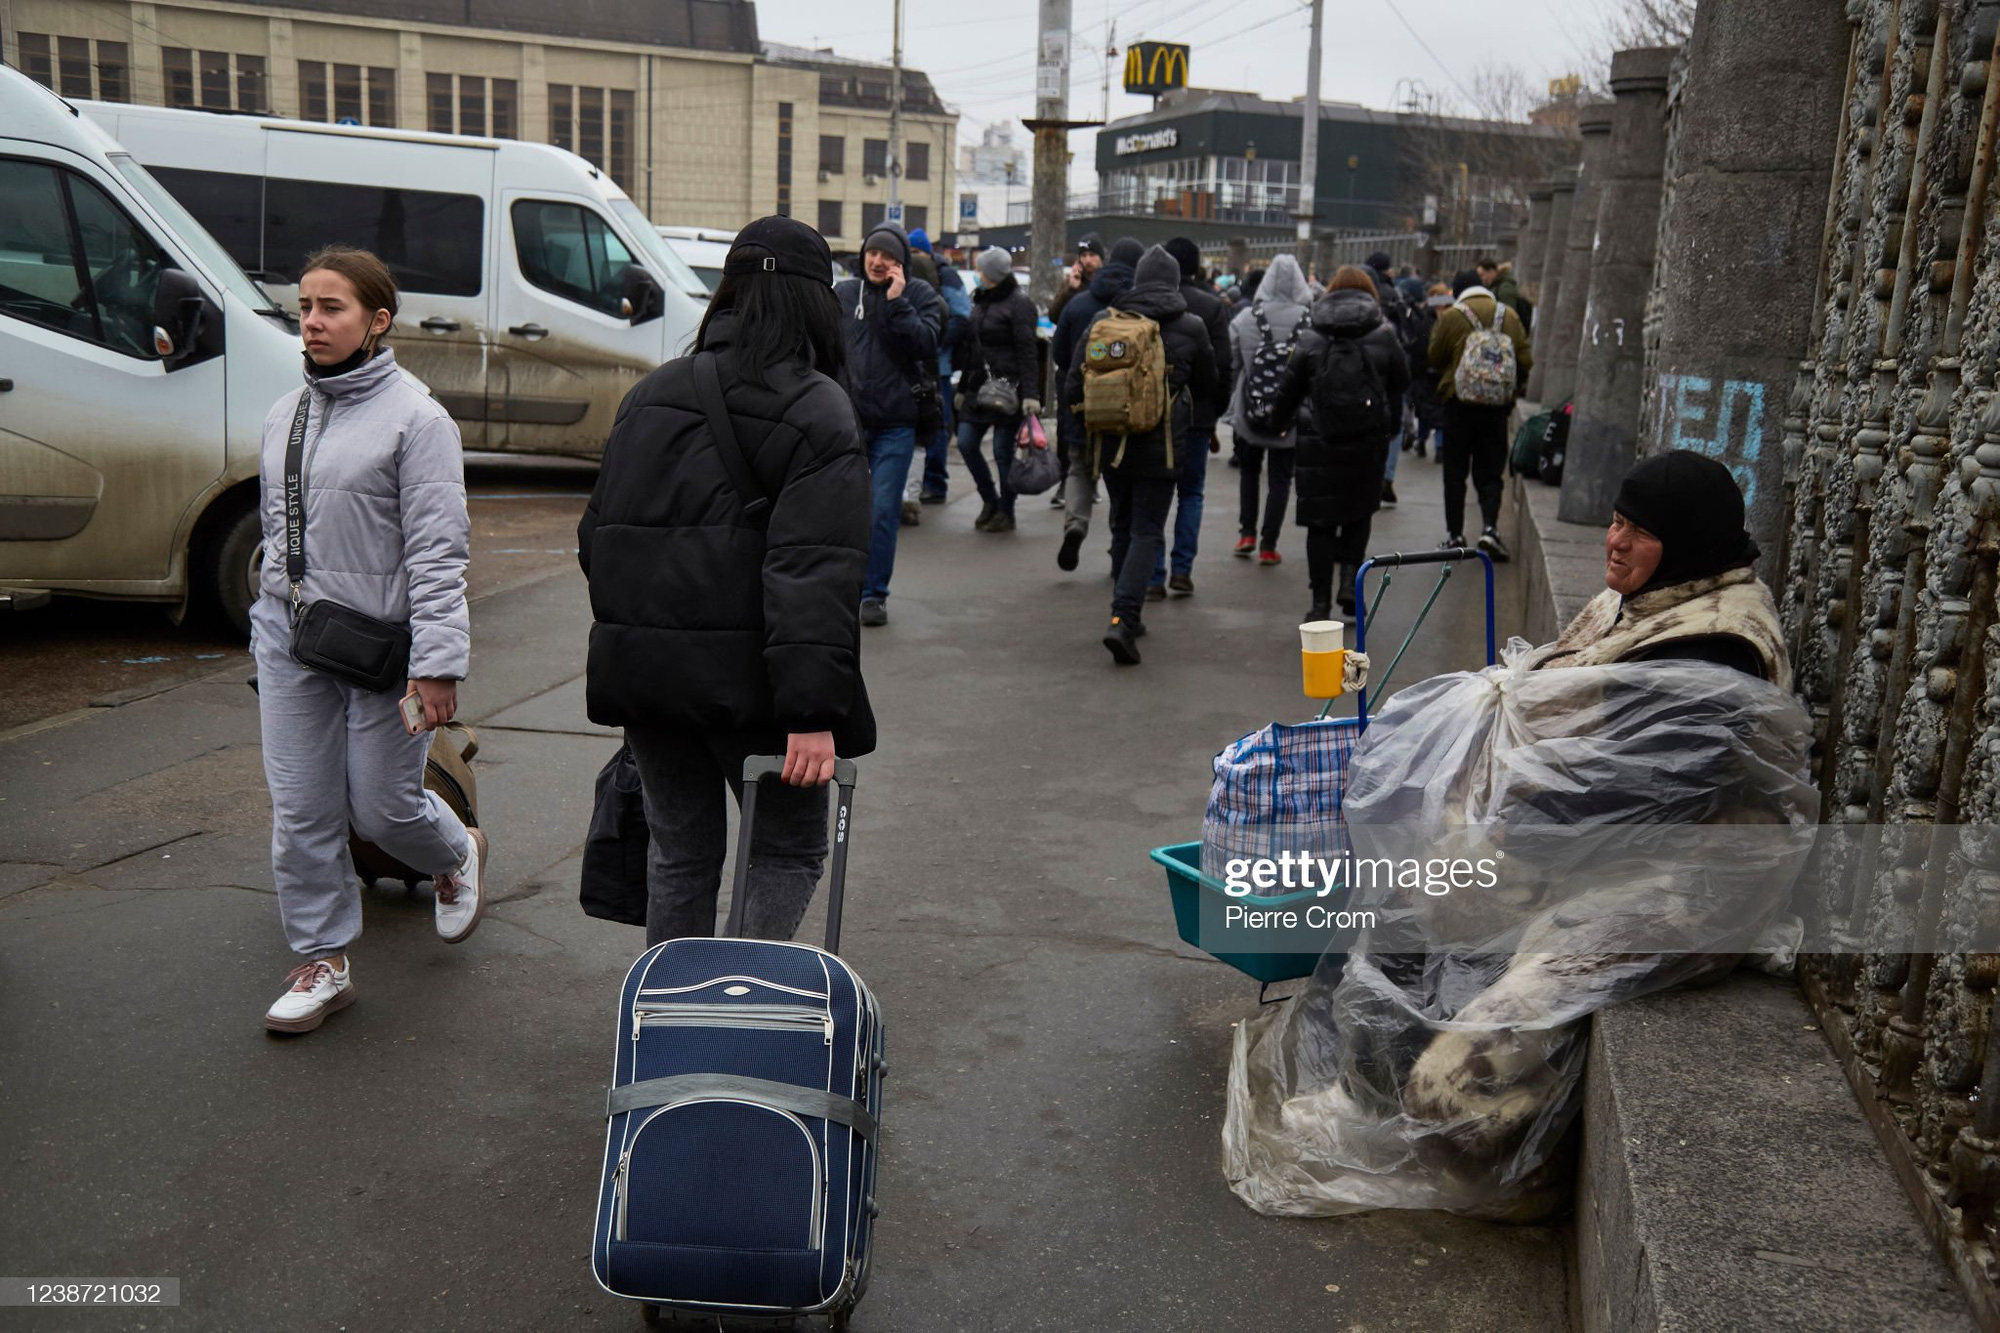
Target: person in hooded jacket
x=1078, y=490
x=1207, y=305
x=941, y=273
x=999, y=345
x=1280, y=311
x=894, y=323
x=715, y=636
x=1345, y=381
x=1140, y=470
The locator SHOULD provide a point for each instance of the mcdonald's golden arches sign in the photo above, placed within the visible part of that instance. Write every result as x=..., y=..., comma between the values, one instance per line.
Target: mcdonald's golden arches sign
x=1154, y=67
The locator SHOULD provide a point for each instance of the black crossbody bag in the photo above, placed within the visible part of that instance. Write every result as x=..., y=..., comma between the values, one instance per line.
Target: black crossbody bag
x=326, y=636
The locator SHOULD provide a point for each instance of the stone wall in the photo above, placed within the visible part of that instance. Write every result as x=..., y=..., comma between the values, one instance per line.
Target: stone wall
x=1891, y=441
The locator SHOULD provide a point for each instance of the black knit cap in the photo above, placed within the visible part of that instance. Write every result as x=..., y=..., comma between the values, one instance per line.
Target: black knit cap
x=1693, y=505
x=780, y=245
x=1091, y=243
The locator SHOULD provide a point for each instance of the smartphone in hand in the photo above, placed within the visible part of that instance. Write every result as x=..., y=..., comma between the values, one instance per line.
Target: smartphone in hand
x=413, y=713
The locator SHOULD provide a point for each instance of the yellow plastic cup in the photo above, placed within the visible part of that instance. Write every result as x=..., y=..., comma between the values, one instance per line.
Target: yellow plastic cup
x=1323, y=657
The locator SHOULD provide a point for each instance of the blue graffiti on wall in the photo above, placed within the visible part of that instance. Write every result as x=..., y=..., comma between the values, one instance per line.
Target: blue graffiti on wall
x=1734, y=434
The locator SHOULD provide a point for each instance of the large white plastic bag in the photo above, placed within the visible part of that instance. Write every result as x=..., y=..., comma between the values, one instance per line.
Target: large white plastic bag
x=1413, y=1076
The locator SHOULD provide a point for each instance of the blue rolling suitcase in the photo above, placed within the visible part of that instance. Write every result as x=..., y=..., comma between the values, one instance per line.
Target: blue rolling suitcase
x=739, y=1159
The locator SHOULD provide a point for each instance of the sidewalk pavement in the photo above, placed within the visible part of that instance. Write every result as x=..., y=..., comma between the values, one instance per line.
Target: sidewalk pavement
x=429, y=1158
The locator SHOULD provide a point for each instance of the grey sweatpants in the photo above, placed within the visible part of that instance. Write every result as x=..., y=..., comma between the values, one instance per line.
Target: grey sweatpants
x=336, y=755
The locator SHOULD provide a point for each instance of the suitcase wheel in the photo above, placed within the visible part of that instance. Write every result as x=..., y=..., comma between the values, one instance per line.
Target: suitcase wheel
x=837, y=1321
x=649, y=1314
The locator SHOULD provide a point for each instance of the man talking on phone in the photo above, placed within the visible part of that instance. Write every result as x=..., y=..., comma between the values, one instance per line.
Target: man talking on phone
x=894, y=322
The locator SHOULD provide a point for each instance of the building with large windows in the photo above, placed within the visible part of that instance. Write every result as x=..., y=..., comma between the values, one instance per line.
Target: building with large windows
x=1213, y=164
x=676, y=100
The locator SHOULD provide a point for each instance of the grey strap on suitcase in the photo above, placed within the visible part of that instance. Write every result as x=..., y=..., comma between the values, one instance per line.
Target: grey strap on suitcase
x=742, y=1121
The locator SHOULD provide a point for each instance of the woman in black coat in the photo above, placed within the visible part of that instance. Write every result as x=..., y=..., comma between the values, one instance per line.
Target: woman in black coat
x=1346, y=381
x=726, y=623
x=999, y=344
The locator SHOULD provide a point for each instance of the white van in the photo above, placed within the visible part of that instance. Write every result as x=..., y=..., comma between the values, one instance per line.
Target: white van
x=534, y=292
x=704, y=248
x=137, y=364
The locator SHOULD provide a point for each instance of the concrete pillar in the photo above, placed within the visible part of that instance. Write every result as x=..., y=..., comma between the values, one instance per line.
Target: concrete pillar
x=1239, y=256
x=1528, y=271
x=1755, y=125
x=1562, y=193
x=1610, y=358
x=1565, y=313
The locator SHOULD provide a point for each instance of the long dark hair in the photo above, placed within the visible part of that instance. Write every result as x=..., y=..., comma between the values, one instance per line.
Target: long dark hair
x=779, y=318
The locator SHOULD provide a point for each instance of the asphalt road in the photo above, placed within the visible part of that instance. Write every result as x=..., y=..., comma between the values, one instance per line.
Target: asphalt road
x=428, y=1160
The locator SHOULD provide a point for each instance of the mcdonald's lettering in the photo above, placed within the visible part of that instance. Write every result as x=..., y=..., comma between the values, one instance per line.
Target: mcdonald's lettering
x=1154, y=67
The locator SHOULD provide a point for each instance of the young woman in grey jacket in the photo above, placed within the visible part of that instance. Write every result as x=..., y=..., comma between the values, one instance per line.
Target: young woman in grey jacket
x=385, y=534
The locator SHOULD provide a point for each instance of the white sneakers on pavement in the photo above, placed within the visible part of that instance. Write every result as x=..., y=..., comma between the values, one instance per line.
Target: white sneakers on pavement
x=461, y=893
x=316, y=991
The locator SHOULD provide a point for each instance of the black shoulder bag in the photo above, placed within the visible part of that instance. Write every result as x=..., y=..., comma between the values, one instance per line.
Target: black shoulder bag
x=326, y=636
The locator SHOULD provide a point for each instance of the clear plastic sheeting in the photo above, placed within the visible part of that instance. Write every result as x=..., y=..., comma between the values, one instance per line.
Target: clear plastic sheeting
x=1418, y=1074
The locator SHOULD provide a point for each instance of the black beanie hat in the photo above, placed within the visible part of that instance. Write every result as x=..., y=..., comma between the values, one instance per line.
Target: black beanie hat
x=1091, y=243
x=1187, y=254
x=1126, y=250
x=780, y=245
x=1693, y=505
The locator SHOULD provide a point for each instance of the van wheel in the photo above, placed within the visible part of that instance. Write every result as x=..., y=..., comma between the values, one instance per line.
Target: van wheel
x=232, y=564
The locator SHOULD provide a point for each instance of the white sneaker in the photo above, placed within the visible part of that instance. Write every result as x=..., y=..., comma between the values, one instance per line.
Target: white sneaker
x=316, y=991
x=461, y=893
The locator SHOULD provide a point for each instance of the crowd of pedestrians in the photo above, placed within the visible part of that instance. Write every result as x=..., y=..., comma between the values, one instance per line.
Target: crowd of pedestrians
x=1323, y=380
x=724, y=627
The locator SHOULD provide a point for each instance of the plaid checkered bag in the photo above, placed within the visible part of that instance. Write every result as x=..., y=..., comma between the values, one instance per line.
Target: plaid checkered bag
x=1279, y=789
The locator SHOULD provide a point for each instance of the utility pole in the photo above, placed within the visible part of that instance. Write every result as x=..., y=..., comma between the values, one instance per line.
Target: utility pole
x=895, y=213
x=1110, y=54
x=1309, y=144
x=1048, y=211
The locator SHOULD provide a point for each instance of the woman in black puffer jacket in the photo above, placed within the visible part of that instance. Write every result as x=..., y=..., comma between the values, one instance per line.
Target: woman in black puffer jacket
x=1345, y=381
x=999, y=344
x=718, y=636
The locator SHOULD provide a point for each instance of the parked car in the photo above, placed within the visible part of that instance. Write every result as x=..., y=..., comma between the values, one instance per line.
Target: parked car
x=137, y=363
x=534, y=292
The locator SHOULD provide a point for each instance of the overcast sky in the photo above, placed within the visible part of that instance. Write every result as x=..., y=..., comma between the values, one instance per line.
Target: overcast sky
x=981, y=57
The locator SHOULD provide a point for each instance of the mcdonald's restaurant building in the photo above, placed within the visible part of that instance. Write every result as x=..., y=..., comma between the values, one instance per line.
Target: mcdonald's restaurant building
x=1213, y=165
x=678, y=101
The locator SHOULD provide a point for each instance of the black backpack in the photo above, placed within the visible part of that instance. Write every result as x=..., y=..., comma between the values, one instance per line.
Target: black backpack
x=1265, y=376
x=1348, y=396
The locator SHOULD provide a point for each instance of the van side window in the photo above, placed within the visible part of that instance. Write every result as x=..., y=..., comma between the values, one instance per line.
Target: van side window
x=568, y=250
x=94, y=280
x=228, y=204
x=432, y=242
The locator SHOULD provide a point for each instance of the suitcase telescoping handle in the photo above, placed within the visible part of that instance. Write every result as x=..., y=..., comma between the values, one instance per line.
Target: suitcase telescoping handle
x=755, y=769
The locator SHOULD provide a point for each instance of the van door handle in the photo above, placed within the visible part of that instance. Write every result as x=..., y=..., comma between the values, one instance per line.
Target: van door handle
x=532, y=332
x=439, y=324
